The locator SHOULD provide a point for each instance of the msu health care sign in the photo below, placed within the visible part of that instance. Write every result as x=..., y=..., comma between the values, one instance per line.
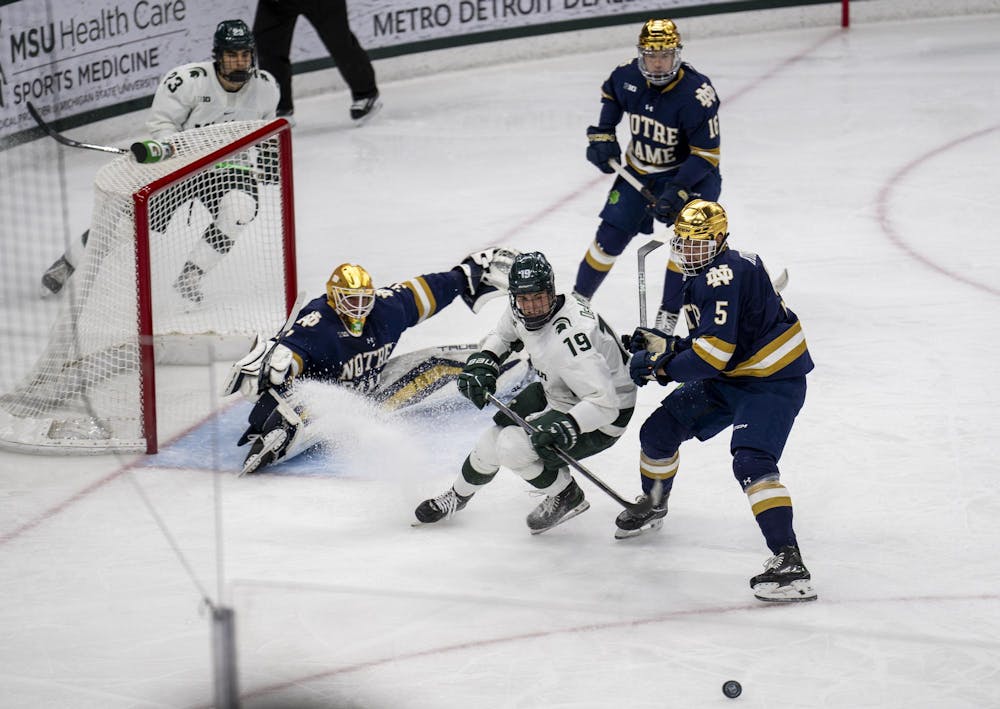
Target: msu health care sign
x=71, y=57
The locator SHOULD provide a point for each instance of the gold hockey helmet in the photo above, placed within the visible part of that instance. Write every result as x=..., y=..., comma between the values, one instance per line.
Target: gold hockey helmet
x=659, y=51
x=351, y=294
x=700, y=231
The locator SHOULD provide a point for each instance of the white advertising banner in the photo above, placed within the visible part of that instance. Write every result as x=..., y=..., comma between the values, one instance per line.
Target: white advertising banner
x=77, y=57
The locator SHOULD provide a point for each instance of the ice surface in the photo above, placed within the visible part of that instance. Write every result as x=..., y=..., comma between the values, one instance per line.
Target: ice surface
x=864, y=161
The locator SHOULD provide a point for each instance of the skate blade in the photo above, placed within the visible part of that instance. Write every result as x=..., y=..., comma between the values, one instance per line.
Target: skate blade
x=629, y=533
x=795, y=592
x=579, y=509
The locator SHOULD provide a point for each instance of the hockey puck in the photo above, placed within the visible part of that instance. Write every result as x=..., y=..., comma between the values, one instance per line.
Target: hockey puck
x=732, y=689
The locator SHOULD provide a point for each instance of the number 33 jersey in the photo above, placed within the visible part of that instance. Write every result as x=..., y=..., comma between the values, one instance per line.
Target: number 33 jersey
x=191, y=96
x=580, y=361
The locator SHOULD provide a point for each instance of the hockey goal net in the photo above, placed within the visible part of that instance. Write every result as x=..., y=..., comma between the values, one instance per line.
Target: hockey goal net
x=222, y=202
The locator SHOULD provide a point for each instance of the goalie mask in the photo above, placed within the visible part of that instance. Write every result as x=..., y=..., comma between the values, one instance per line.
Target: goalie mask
x=350, y=293
x=700, y=233
x=532, y=289
x=659, y=51
x=235, y=37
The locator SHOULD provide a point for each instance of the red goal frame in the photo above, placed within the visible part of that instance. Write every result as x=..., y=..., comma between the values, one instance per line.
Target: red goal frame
x=141, y=198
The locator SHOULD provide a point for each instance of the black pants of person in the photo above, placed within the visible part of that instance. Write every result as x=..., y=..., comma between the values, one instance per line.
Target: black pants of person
x=274, y=25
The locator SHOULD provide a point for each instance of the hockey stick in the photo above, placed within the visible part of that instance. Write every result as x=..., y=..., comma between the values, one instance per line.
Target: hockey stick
x=646, y=248
x=69, y=142
x=639, y=508
x=632, y=180
x=653, y=244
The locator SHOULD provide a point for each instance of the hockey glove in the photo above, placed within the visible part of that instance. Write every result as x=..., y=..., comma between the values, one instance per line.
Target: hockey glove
x=554, y=429
x=479, y=377
x=671, y=202
x=652, y=339
x=267, y=364
x=603, y=147
x=646, y=366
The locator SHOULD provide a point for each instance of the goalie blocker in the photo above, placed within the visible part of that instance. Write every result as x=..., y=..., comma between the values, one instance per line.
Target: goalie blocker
x=347, y=337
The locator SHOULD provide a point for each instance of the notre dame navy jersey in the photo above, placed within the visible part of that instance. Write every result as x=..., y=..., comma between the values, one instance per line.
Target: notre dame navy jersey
x=668, y=123
x=739, y=326
x=325, y=350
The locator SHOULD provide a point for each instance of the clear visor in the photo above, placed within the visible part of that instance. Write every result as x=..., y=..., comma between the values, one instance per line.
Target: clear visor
x=659, y=64
x=693, y=255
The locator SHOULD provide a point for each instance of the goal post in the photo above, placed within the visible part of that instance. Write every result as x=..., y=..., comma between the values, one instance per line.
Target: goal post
x=186, y=260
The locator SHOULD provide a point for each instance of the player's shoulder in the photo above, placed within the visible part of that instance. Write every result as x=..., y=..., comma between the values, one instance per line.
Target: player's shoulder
x=729, y=269
x=693, y=76
x=575, y=315
x=194, y=71
x=627, y=77
x=263, y=76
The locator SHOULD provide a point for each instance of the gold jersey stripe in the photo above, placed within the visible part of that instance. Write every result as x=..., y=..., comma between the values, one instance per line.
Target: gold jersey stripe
x=709, y=155
x=424, y=297
x=774, y=356
x=714, y=351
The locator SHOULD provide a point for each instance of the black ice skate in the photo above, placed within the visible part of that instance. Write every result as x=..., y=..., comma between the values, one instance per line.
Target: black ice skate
x=266, y=449
x=57, y=274
x=785, y=578
x=362, y=109
x=556, y=509
x=441, y=507
x=631, y=524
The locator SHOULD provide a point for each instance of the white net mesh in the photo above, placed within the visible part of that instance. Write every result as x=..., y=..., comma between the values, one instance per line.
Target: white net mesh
x=217, y=255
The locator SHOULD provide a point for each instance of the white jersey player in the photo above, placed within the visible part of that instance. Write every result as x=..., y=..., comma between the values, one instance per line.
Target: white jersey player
x=582, y=403
x=229, y=88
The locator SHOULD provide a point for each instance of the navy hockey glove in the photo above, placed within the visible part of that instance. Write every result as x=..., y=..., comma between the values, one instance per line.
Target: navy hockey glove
x=554, y=429
x=671, y=202
x=479, y=377
x=646, y=366
x=648, y=338
x=603, y=147
x=651, y=350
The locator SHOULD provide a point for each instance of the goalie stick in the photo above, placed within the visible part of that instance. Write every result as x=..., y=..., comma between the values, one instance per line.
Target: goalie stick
x=636, y=508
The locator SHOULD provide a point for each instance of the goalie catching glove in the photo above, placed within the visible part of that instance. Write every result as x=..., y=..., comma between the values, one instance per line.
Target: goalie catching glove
x=479, y=377
x=554, y=428
x=485, y=274
x=268, y=364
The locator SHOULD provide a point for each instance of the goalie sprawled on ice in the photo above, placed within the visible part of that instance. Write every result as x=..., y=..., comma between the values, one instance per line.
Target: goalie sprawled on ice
x=346, y=336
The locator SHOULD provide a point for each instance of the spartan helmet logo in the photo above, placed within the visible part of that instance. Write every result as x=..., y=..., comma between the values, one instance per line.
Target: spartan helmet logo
x=560, y=324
